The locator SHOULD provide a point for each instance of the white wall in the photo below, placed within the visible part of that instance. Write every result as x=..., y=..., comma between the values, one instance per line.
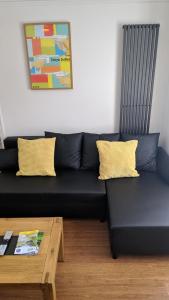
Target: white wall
x=163, y=114
x=1, y=131
x=93, y=104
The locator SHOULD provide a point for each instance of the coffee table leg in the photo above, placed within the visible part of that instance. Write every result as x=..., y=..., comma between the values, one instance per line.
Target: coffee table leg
x=49, y=291
x=61, y=248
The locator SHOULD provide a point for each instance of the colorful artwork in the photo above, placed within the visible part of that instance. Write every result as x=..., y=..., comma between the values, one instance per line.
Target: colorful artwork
x=49, y=55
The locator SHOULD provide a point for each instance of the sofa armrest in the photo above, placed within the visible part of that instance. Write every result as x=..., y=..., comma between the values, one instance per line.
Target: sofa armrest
x=163, y=164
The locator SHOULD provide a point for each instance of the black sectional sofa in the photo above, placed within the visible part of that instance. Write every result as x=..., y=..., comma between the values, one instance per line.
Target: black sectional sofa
x=137, y=208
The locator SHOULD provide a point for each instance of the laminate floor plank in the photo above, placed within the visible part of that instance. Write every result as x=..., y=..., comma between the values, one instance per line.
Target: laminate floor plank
x=89, y=272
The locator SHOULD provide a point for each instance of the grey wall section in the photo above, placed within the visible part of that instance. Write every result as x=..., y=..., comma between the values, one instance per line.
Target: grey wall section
x=138, y=69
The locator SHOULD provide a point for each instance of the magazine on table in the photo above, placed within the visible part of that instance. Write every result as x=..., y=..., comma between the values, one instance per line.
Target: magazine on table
x=28, y=242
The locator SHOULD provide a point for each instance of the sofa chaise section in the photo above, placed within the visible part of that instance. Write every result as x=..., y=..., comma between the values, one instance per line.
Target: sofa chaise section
x=138, y=214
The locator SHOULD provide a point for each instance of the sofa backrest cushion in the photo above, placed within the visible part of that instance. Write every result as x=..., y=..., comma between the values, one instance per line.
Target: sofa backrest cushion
x=90, y=156
x=147, y=150
x=11, y=141
x=163, y=164
x=67, y=150
x=8, y=159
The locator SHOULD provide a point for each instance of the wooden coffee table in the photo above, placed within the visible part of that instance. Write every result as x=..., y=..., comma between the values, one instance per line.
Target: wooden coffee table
x=32, y=273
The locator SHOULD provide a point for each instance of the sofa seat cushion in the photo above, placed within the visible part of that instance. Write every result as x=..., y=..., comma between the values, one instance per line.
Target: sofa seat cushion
x=69, y=194
x=139, y=214
x=138, y=202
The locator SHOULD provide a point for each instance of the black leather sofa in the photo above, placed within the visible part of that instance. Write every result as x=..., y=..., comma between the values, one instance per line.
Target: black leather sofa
x=137, y=208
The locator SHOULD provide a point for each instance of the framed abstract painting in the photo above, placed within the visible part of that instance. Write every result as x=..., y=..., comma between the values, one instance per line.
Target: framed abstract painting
x=49, y=55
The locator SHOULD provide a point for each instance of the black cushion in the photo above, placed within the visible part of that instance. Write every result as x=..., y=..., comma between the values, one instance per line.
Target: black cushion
x=69, y=194
x=8, y=159
x=138, y=202
x=90, y=156
x=147, y=150
x=67, y=149
x=12, y=141
x=163, y=164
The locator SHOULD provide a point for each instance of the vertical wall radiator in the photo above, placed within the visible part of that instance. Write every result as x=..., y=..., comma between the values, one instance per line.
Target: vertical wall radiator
x=138, y=68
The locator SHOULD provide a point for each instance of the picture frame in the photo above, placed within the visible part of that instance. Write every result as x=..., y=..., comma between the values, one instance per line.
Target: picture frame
x=49, y=55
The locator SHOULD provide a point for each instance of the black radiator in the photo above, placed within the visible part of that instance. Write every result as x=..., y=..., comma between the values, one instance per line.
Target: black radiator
x=138, y=69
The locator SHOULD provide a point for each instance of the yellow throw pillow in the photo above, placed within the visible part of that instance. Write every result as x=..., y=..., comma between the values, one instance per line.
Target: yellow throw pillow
x=117, y=159
x=36, y=157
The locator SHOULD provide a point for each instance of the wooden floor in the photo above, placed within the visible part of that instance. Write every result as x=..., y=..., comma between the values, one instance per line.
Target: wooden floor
x=90, y=273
